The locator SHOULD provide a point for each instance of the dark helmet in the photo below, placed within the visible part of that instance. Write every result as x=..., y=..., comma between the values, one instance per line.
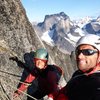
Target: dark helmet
x=41, y=54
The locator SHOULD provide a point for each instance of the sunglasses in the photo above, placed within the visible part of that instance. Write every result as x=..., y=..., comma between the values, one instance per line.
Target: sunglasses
x=86, y=52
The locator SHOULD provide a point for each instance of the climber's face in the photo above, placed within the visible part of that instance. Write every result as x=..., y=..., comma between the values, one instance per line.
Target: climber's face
x=40, y=63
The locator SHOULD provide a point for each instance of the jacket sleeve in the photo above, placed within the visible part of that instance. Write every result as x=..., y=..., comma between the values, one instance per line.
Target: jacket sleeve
x=62, y=94
x=23, y=86
x=52, y=78
x=58, y=95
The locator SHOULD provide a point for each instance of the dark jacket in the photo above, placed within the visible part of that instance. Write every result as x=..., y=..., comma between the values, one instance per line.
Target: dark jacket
x=45, y=82
x=83, y=87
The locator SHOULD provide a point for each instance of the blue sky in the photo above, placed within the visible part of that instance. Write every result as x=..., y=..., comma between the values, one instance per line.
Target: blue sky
x=75, y=9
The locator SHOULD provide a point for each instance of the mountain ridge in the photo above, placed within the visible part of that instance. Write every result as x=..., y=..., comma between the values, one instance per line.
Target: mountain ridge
x=61, y=30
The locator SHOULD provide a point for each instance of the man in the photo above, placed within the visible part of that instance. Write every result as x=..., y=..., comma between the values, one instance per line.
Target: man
x=46, y=77
x=85, y=82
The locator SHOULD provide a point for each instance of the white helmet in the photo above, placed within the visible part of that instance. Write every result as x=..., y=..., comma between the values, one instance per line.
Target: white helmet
x=90, y=39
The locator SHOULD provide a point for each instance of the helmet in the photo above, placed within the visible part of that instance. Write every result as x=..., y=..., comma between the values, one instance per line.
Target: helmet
x=41, y=54
x=90, y=39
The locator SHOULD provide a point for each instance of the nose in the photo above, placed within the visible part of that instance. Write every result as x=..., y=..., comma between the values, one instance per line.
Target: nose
x=80, y=55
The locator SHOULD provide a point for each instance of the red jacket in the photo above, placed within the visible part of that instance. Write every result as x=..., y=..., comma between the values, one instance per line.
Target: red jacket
x=47, y=80
x=62, y=94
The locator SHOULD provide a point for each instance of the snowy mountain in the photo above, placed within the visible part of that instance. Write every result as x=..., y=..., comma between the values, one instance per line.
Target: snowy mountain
x=92, y=27
x=58, y=30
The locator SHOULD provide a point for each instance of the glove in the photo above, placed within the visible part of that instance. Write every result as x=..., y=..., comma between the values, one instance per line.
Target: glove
x=19, y=63
x=14, y=58
x=15, y=95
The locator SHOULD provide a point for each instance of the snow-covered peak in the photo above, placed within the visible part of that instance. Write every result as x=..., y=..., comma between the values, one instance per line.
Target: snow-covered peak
x=47, y=37
x=58, y=30
x=83, y=21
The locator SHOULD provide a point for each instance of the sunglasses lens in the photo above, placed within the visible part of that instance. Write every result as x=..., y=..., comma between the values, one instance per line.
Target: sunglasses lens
x=86, y=52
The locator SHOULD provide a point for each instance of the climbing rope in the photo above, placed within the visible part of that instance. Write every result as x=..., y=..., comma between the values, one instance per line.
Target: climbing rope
x=25, y=93
x=22, y=92
x=16, y=80
x=9, y=73
x=4, y=92
x=18, y=89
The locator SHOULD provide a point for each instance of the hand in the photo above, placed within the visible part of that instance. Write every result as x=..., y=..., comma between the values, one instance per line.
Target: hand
x=14, y=58
x=50, y=98
x=15, y=96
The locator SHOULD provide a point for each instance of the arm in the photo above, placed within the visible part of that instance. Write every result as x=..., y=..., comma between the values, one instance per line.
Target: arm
x=23, y=86
x=57, y=81
x=54, y=93
x=62, y=94
x=53, y=85
x=19, y=62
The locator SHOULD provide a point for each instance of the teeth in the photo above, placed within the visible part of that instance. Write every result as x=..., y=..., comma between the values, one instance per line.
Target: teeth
x=82, y=61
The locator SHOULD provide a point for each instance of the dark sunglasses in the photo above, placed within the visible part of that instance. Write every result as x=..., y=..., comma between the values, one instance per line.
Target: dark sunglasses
x=86, y=52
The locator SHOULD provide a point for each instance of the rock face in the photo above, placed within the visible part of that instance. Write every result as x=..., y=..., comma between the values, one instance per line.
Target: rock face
x=17, y=38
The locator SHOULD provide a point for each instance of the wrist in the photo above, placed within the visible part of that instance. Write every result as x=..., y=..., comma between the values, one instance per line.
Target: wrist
x=17, y=92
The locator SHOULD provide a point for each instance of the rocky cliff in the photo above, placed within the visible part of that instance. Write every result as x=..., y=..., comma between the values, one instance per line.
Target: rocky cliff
x=17, y=38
